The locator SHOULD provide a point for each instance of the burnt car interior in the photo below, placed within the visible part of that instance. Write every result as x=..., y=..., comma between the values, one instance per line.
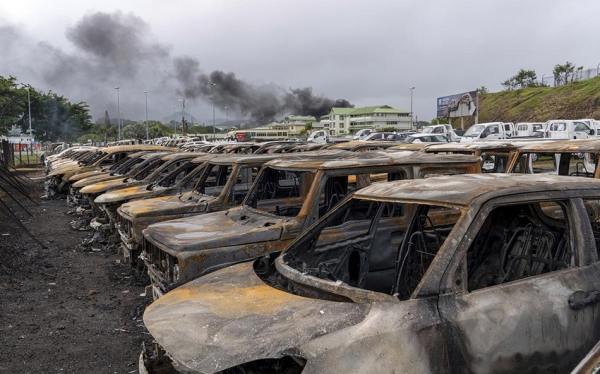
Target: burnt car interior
x=213, y=179
x=388, y=247
x=574, y=164
x=378, y=246
x=281, y=192
x=520, y=241
x=176, y=175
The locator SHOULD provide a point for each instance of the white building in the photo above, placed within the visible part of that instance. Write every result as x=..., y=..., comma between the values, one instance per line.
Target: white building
x=344, y=121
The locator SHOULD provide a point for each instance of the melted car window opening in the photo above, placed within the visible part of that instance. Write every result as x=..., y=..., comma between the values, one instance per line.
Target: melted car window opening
x=574, y=164
x=519, y=241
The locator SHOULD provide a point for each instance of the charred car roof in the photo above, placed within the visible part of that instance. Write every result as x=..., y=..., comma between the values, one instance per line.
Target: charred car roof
x=573, y=145
x=465, y=189
x=371, y=158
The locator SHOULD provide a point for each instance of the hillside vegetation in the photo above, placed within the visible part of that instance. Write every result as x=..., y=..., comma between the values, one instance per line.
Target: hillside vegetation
x=538, y=104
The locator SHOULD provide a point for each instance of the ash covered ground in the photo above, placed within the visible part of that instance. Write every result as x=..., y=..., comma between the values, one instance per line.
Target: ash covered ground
x=67, y=308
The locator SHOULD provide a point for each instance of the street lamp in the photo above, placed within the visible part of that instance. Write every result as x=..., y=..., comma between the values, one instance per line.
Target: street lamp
x=147, y=136
x=174, y=122
x=227, y=115
x=29, y=105
x=213, y=105
x=411, y=110
x=182, y=115
x=119, y=114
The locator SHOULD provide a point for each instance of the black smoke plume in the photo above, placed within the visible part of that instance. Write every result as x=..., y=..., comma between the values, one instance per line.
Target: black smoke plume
x=118, y=49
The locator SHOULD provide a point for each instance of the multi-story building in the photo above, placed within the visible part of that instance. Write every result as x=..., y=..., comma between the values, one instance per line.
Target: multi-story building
x=342, y=121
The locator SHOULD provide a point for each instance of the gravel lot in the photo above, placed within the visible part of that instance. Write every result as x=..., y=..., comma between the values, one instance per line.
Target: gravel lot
x=64, y=308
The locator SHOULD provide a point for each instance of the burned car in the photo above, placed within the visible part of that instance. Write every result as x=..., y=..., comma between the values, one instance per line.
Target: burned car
x=288, y=196
x=133, y=169
x=173, y=178
x=58, y=180
x=223, y=184
x=575, y=157
x=154, y=168
x=489, y=273
x=494, y=156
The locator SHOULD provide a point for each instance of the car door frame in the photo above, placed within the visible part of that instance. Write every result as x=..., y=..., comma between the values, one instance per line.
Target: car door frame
x=454, y=297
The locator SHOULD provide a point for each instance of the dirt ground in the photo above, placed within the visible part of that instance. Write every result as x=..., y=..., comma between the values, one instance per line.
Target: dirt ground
x=64, y=308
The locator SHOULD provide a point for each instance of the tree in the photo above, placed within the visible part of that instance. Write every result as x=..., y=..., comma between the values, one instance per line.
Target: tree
x=135, y=131
x=13, y=103
x=566, y=73
x=524, y=78
x=308, y=126
x=482, y=90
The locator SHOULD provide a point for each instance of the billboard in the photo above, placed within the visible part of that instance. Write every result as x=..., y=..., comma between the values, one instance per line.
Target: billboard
x=458, y=105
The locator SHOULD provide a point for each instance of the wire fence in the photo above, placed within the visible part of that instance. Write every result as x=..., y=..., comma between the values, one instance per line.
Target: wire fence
x=21, y=154
x=578, y=75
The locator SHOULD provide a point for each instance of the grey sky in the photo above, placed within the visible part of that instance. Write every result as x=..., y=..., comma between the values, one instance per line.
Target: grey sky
x=366, y=52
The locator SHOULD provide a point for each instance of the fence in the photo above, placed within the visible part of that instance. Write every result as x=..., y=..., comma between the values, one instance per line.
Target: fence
x=21, y=155
x=578, y=75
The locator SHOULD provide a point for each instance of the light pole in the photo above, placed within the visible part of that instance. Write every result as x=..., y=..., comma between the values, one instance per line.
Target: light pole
x=213, y=105
x=411, y=111
x=29, y=105
x=174, y=122
x=182, y=115
x=227, y=115
x=147, y=136
x=119, y=114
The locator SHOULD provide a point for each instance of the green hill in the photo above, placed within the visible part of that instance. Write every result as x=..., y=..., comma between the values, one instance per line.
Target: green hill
x=538, y=104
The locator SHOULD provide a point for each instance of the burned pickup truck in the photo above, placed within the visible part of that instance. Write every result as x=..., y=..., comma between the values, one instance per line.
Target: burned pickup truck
x=288, y=196
x=490, y=273
x=223, y=184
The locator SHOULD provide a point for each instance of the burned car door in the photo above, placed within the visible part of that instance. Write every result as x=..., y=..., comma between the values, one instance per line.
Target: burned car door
x=525, y=289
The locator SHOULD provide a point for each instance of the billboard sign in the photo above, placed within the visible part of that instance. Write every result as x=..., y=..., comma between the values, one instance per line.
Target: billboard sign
x=458, y=105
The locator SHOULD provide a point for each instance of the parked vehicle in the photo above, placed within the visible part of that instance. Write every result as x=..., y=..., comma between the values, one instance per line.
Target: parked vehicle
x=287, y=198
x=361, y=134
x=563, y=157
x=324, y=136
x=58, y=180
x=530, y=129
x=492, y=273
x=223, y=184
x=444, y=130
x=567, y=129
x=426, y=138
x=488, y=132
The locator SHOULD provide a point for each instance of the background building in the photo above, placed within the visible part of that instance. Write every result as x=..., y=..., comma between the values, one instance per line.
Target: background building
x=345, y=121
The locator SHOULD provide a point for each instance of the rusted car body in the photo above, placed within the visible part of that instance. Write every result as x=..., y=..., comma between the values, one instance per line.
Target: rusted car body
x=70, y=157
x=59, y=179
x=358, y=146
x=154, y=167
x=133, y=168
x=222, y=185
x=288, y=196
x=490, y=273
x=177, y=176
x=494, y=157
x=119, y=167
x=575, y=157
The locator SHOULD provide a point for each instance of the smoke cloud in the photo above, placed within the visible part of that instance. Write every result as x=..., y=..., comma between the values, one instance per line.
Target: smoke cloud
x=117, y=49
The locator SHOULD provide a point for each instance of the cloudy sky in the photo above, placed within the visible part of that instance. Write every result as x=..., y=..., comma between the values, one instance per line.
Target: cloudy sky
x=275, y=57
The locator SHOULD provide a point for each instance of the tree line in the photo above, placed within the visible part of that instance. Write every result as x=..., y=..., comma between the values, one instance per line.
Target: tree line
x=52, y=115
x=562, y=74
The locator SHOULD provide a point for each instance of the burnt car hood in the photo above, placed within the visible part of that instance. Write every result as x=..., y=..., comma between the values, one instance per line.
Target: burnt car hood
x=231, y=316
x=87, y=174
x=68, y=169
x=214, y=230
x=129, y=193
x=102, y=177
x=109, y=185
x=160, y=206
